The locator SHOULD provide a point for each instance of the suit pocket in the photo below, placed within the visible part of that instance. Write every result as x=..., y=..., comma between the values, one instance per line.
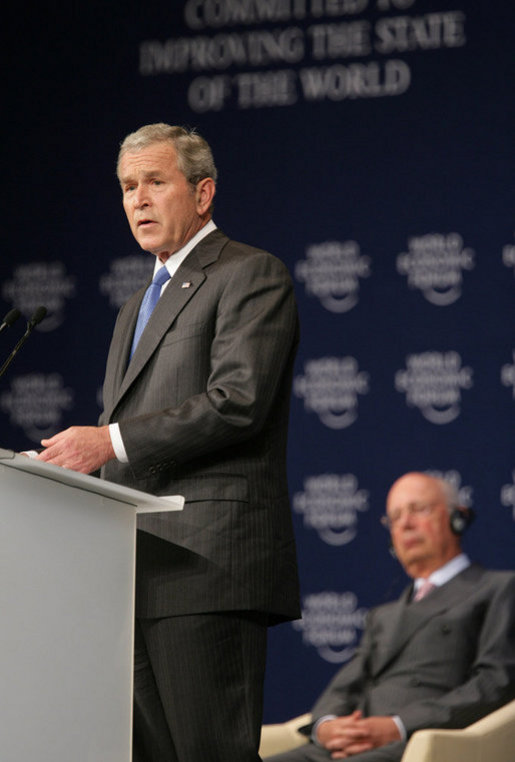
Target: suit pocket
x=214, y=487
x=182, y=332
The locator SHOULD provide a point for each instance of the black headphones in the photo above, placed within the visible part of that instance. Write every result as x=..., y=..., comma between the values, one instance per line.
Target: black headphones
x=461, y=518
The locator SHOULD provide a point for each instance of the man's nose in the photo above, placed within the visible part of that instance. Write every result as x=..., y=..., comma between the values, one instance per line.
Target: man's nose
x=140, y=197
x=406, y=519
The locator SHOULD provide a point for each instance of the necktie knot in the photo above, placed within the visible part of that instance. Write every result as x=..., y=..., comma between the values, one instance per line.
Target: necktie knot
x=424, y=589
x=149, y=301
x=160, y=277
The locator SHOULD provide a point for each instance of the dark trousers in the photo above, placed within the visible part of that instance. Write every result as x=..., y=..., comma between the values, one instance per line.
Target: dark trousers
x=198, y=687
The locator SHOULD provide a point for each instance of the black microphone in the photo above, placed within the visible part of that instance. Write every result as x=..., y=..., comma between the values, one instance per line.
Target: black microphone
x=11, y=317
x=36, y=318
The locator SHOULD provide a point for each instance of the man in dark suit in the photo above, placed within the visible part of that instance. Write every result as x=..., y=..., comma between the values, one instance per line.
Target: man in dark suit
x=443, y=655
x=196, y=403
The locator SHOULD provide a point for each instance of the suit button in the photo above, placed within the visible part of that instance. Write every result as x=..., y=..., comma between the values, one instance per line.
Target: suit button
x=446, y=629
x=152, y=470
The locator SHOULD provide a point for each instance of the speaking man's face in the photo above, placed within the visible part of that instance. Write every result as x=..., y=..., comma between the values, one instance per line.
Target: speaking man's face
x=162, y=207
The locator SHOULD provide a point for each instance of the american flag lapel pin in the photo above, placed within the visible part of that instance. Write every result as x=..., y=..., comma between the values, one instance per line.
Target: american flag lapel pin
x=186, y=284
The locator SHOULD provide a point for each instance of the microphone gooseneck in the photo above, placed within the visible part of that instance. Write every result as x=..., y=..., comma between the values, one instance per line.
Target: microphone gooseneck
x=36, y=318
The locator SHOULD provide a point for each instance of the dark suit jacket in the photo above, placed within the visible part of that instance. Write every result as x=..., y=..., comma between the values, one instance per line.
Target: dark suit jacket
x=203, y=412
x=443, y=662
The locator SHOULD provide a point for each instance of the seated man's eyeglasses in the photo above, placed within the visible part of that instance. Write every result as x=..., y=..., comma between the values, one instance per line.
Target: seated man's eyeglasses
x=412, y=509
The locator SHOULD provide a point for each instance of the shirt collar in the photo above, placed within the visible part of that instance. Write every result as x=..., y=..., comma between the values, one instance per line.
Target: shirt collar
x=446, y=572
x=173, y=262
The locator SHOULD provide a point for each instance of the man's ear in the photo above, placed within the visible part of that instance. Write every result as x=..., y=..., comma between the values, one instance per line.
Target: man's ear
x=204, y=194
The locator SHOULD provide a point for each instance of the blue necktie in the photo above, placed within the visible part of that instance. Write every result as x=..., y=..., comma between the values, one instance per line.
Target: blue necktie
x=148, y=303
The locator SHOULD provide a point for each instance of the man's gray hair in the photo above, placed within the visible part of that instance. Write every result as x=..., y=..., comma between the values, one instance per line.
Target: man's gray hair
x=450, y=493
x=194, y=156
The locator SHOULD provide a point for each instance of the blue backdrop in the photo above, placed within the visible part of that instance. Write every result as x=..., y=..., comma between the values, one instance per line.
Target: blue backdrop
x=368, y=144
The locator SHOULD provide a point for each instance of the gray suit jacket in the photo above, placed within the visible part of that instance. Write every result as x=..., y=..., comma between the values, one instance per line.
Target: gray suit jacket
x=443, y=662
x=203, y=412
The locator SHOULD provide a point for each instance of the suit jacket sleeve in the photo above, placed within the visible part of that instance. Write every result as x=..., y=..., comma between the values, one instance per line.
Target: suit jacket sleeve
x=254, y=319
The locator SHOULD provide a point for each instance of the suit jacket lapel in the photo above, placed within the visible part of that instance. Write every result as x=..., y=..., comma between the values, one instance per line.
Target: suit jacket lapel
x=391, y=631
x=408, y=618
x=182, y=287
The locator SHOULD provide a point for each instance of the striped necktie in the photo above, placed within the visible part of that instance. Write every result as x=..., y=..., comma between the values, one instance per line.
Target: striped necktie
x=149, y=301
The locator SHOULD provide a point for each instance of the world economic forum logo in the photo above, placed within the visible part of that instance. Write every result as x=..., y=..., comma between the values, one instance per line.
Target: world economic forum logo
x=331, y=504
x=465, y=493
x=433, y=382
x=508, y=494
x=36, y=402
x=332, y=623
x=330, y=387
x=508, y=256
x=331, y=272
x=434, y=264
x=126, y=275
x=508, y=374
x=41, y=283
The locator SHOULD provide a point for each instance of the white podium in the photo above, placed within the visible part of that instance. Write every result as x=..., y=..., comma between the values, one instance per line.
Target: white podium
x=67, y=563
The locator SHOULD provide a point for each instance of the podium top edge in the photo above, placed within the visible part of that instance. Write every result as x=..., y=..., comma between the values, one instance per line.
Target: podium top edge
x=143, y=502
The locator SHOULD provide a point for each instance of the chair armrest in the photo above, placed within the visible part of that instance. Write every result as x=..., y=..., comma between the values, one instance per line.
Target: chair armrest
x=491, y=739
x=283, y=736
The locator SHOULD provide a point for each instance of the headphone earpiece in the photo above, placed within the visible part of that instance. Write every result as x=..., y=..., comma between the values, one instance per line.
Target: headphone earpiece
x=460, y=519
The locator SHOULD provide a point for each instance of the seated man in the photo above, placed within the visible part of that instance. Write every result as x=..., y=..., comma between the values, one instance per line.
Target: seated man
x=442, y=656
